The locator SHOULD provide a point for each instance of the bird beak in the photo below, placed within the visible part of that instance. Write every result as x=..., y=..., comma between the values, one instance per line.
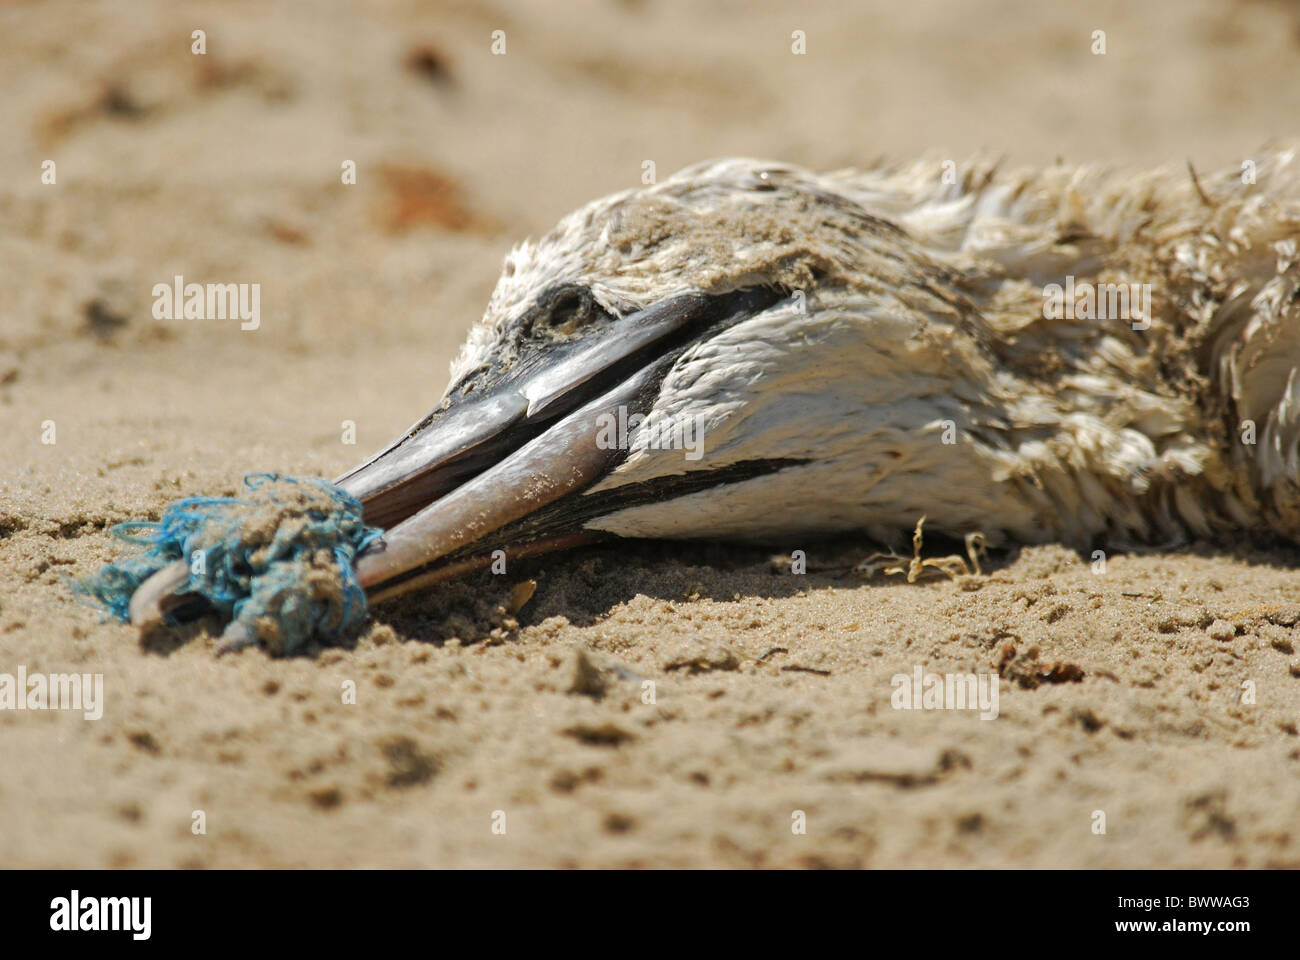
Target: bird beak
x=504, y=467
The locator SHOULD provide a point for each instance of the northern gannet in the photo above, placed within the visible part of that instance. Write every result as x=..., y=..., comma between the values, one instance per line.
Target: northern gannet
x=751, y=350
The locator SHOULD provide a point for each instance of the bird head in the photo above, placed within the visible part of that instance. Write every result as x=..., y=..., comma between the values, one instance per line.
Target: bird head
x=740, y=350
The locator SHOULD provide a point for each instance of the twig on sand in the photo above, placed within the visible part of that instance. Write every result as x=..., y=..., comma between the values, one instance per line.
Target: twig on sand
x=891, y=564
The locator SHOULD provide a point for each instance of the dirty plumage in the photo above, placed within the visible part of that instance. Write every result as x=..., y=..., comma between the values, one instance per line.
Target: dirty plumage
x=908, y=361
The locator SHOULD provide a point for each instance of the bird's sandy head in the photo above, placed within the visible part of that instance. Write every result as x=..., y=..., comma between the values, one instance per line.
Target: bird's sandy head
x=713, y=227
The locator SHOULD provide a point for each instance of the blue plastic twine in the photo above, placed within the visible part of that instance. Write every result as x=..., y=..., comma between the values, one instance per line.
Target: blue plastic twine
x=278, y=560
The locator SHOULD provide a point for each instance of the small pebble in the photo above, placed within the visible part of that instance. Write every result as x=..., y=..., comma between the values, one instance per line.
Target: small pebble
x=1221, y=630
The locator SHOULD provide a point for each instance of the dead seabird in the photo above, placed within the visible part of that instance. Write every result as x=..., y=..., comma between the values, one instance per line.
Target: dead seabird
x=751, y=350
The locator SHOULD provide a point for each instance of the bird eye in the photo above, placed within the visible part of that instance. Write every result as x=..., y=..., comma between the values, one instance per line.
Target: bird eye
x=568, y=312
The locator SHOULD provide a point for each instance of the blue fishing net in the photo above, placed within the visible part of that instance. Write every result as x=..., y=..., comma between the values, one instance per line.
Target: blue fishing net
x=276, y=562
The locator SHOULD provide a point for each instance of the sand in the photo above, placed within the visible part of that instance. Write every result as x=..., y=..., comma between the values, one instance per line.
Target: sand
x=1163, y=692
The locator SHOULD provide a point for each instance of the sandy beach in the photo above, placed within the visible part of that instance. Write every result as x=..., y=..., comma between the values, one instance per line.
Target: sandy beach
x=1120, y=692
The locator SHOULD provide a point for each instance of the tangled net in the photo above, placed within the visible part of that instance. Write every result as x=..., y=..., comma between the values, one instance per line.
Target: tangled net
x=276, y=563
